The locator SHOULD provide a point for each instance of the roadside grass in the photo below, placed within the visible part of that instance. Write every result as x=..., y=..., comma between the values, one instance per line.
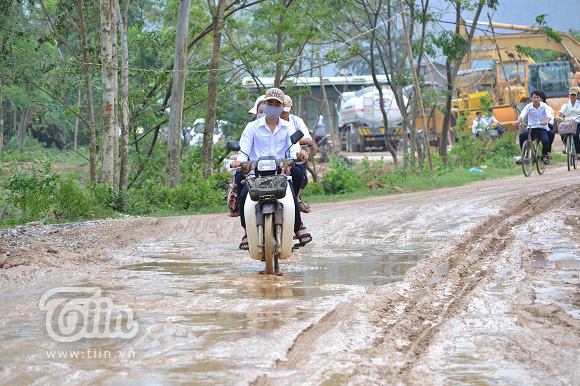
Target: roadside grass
x=51, y=186
x=418, y=183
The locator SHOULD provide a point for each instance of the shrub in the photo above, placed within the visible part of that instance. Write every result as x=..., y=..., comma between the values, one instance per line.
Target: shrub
x=341, y=178
x=33, y=192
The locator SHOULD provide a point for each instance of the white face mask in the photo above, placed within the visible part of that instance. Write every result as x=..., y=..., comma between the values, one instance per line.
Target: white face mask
x=260, y=115
x=273, y=111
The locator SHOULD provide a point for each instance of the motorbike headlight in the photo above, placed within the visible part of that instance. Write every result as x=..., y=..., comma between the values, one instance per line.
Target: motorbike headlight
x=267, y=165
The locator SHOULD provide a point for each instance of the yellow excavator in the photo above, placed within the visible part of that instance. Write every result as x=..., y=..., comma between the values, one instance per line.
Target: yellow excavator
x=522, y=73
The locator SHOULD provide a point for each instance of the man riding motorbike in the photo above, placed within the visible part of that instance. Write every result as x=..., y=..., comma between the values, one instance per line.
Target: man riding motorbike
x=270, y=136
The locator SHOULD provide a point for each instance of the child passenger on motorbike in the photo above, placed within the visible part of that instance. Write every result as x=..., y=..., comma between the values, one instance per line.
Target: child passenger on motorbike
x=299, y=181
x=270, y=136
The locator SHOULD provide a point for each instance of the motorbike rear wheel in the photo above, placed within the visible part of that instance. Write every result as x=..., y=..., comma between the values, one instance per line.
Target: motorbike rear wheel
x=269, y=244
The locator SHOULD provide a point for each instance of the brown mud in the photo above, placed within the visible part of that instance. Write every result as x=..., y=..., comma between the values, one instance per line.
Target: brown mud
x=475, y=284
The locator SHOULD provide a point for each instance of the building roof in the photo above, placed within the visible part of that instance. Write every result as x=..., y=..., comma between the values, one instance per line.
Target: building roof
x=361, y=80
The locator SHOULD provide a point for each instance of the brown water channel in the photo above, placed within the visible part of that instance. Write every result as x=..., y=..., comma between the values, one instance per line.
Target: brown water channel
x=206, y=315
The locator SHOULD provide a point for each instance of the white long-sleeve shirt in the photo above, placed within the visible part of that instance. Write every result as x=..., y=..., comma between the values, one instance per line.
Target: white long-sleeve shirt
x=475, y=128
x=300, y=125
x=258, y=141
x=571, y=111
x=536, y=116
x=488, y=120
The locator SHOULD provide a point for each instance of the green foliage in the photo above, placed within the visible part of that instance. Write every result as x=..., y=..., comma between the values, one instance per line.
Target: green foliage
x=485, y=103
x=552, y=34
x=524, y=51
x=38, y=195
x=453, y=45
x=341, y=178
x=541, y=21
x=461, y=125
x=469, y=152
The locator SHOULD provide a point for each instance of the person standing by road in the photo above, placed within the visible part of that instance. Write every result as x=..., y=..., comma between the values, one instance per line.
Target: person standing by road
x=477, y=124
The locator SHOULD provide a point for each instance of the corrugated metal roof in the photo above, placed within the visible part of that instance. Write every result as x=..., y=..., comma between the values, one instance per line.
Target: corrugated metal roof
x=315, y=81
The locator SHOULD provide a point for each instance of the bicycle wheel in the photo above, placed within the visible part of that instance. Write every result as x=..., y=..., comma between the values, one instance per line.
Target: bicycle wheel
x=573, y=152
x=569, y=156
x=527, y=158
x=540, y=165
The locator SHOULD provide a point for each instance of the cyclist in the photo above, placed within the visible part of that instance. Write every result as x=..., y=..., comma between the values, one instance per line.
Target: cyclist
x=571, y=110
x=539, y=115
x=551, y=133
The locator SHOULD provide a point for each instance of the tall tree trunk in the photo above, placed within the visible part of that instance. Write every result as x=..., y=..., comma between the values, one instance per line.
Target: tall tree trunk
x=452, y=67
x=114, y=24
x=25, y=118
x=279, y=47
x=108, y=130
x=124, y=172
x=77, y=123
x=89, y=94
x=1, y=123
x=14, y=117
x=417, y=88
x=218, y=23
x=177, y=96
x=446, y=117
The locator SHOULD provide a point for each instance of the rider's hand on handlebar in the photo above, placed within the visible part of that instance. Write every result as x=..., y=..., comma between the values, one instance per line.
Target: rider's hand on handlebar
x=235, y=164
x=303, y=155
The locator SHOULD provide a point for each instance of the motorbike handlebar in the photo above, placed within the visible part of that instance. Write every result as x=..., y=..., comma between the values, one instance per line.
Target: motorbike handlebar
x=248, y=166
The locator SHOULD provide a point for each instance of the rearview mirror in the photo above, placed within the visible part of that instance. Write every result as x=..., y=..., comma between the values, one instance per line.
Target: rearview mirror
x=233, y=146
x=297, y=136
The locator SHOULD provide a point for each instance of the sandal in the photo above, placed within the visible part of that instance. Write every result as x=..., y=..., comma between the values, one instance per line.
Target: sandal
x=304, y=238
x=304, y=207
x=244, y=246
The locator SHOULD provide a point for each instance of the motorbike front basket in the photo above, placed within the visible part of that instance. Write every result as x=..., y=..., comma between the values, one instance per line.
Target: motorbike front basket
x=267, y=187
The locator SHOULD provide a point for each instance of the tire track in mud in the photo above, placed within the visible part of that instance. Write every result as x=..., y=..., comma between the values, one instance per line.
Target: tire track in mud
x=409, y=337
x=423, y=319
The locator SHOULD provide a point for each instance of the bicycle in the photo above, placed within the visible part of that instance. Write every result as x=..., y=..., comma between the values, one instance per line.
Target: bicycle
x=532, y=154
x=567, y=129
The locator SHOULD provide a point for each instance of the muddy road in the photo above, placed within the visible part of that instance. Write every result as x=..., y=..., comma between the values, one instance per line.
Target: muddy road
x=476, y=284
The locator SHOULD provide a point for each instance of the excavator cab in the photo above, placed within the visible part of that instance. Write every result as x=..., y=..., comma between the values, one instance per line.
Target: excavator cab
x=552, y=78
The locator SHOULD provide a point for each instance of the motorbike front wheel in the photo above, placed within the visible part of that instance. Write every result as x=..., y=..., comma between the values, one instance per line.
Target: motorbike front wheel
x=269, y=244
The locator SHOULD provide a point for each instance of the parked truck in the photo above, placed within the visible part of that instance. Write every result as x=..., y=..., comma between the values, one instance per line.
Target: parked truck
x=361, y=124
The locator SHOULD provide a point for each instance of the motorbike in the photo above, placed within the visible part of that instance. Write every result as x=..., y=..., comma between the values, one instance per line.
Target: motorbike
x=325, y=145
x=269, y=208
x=488, y=133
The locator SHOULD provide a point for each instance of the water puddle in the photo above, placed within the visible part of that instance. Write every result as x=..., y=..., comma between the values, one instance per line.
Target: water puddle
x=207, y=316
x=443, y=270
x=556, y=252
